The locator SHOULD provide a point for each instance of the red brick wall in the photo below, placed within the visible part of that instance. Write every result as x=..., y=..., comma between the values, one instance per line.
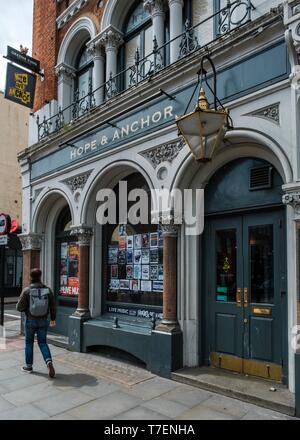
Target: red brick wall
x=44, y=48
x=47, y=40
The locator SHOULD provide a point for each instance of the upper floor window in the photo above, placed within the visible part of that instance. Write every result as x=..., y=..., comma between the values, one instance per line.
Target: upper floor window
x=84, y=67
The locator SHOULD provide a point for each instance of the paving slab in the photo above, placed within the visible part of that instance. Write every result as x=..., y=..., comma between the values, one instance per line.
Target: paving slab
x=245, y=388
x=22, y=381
x=100, y=388
x=141, y=413
x=32, y=394
x=152, y=388
x=67, y=400
x=26, y=412
x=5, y=405
x=188, y=396
x=166, y=407
x=107, y=407
x=203, y=413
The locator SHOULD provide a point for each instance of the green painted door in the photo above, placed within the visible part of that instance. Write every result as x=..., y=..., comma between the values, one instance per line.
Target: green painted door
x=245, y=267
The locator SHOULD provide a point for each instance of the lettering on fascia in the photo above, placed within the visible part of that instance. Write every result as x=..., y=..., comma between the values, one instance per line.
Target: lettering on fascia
x=107, y=138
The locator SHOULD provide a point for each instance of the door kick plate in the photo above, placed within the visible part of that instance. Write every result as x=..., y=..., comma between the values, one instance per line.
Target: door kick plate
x=247, y=366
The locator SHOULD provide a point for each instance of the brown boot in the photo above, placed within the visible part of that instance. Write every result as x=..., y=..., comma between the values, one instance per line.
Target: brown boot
x=51, y=370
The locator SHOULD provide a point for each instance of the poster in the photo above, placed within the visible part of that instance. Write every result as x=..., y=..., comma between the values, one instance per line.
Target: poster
x=145, y=256
x=154, y=240
x=122, y=230
x=122, y=257
x=115, y=271
x=160, y=273
x=146, y=272
x=113, y=255
x=154, y=273
x=122, y=243
x=137, y=272
x=146, y=286
x=124, y=285
x=129, y=272
x=135, y=285
x=158, y=286
x=137, y=256
x=137, y=241
x=130, y=257
x=69, y=269
x=154, y=256
x=130, y=242
x=145, y=241
x=114, y=284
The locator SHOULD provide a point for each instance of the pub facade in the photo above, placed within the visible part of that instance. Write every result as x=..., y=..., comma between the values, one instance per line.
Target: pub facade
x=123, y=72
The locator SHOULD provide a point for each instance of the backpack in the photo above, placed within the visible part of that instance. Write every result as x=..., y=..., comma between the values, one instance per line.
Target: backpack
x=39, y=302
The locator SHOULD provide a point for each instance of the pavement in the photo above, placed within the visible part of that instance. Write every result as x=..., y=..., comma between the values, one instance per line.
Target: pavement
x=98, y=387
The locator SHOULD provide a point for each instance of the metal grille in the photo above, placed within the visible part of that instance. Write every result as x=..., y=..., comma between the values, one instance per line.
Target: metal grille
x=260, y=178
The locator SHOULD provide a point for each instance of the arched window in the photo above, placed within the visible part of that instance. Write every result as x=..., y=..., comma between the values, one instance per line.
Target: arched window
x=84, y=67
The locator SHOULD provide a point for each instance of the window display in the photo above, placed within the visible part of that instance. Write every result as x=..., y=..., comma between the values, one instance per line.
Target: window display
x=69, y=277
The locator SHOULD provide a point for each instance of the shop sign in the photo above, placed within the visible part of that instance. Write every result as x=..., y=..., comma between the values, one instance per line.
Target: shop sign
x=23, y=60
x=136, y=313
x=5, y=224
x=20, y=86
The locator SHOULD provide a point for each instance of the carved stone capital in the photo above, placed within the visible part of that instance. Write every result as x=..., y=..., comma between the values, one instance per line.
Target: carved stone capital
x=292, y=34
x=155, y=7
x=95, y=48
x=111, y=38
x=170, y=224
x=77, y=182
x=31, y=242
x=84, y=234
x=65, y=72
x=292, y=199
x=164, y=153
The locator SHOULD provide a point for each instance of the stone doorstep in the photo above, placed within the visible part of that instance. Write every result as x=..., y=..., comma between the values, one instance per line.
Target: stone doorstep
x=58, y=340
x=247, y=389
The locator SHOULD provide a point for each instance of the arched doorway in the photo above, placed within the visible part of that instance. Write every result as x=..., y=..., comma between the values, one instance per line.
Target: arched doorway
x=245, y=270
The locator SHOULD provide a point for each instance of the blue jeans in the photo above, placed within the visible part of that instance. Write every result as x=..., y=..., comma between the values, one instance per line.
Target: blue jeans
x=39, y=327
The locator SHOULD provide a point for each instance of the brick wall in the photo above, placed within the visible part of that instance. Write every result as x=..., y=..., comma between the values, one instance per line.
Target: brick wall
x=47, y=40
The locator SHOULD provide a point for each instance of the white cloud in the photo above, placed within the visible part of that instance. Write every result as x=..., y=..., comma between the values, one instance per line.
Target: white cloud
x=15, y=29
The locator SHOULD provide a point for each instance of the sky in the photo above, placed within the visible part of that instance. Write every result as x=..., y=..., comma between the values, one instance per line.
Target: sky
x=15, y=29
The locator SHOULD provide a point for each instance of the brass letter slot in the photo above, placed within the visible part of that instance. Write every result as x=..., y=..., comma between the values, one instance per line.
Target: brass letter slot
x=239, y=297
x=262, y=311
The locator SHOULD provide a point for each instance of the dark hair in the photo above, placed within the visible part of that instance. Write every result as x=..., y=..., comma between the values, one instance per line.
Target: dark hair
x=35, y=275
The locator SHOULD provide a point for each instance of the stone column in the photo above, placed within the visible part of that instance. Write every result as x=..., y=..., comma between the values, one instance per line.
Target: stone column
x=96, y=50
x=170, y=323
x=176, y=27
x=111, y=39
x=31, y=247
x=66, y=75
x=84, y=235
x=156, y=8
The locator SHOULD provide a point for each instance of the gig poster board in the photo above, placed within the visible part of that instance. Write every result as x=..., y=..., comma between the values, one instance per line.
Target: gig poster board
x=69, y=269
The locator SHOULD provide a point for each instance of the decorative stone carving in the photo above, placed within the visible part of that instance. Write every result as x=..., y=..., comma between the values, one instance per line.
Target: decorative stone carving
x=155, y=7
x=31, y=242
x=292, y=199
x=95, y=47
x=71, y=11
x=170, y=223
x=78, y=182
x=163, y=153
x=84, y=234
x=64, y=72
x=292, y=34
x=271, y=113
x=111, y=38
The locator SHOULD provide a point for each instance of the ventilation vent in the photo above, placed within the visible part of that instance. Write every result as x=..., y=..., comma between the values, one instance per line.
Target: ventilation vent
x=260, y=178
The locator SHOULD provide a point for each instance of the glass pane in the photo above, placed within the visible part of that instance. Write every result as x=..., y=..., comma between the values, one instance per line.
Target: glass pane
x=199, y=11
x=83, y=84
x=261, y=264
x=226, y=265
x=138, y=17
x=69, y=276
x=85, y=58
x=148, y=41
x=130, y=51
x=9, y=268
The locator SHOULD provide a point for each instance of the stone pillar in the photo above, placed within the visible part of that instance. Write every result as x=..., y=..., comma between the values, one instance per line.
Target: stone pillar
x=170, y=323
x=66, y=75
x=111, y=39
x=156, y=8
x=96, y=50
x=84, y=235
x=176, y=27
x=31, y=247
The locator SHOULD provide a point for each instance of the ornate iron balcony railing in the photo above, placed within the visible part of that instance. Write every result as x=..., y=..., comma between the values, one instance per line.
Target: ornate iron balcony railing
x=234, y=15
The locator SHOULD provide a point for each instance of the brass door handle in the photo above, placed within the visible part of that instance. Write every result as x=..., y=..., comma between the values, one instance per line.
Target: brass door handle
x=239, y=297
x=246, y=297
